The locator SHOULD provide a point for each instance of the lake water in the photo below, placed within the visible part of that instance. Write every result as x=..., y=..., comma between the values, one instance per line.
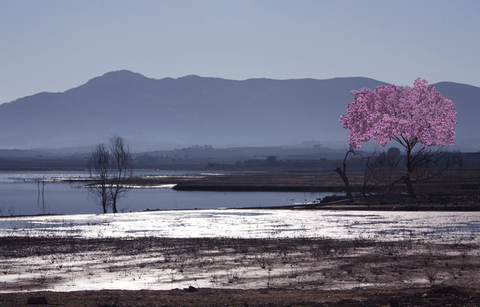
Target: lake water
x=20, y=195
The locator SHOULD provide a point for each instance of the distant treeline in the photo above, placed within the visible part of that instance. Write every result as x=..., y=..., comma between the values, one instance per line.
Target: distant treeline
x=203, y=157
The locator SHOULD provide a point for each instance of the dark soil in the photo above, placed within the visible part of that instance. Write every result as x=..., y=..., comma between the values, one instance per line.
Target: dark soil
x=434, y=296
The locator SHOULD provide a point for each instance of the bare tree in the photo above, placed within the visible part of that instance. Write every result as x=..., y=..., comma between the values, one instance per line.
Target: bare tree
x=343, y=172
x=425, y=164
x=380, y=168
x=369, y=178
x=99, y=169
x=122, y=162
x=428, y=163
x=110, y=167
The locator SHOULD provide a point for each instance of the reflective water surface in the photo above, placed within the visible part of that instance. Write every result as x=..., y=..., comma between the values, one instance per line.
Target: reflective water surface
x=180, y=214
x=20, y=194
x=259, y=223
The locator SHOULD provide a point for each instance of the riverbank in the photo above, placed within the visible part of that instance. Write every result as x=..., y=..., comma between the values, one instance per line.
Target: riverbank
x=432, y=196
x=396, y=202
x=246, y=181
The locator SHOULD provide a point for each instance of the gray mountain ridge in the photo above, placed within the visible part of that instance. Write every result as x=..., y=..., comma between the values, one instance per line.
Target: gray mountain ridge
x=167, y=113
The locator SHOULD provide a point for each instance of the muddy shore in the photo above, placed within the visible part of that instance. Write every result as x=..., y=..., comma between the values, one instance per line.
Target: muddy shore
x=242, y=272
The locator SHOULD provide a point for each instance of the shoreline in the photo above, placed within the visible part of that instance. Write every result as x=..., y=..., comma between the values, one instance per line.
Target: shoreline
x=424, y=203
x=446, y=200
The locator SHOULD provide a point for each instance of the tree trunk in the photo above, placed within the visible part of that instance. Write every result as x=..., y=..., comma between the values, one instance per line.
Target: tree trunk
x=409, y=185
x=343, y=174
x=406, y=178
x=104, y=200
x=345, y=181
x=114, y=204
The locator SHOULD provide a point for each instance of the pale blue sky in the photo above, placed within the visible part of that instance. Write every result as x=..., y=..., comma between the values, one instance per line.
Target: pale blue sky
x=54, y=45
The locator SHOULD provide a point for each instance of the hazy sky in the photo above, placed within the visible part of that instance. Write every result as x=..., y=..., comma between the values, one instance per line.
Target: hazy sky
x=54, y=45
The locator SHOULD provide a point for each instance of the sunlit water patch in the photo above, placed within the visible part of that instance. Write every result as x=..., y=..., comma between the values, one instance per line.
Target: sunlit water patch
x=246, y=223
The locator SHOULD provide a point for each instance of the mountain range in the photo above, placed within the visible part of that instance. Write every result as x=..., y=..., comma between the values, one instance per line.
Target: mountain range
x=167, y=113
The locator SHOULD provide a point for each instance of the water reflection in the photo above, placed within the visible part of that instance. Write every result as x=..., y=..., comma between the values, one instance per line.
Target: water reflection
x=28, y=193
x=245, y=223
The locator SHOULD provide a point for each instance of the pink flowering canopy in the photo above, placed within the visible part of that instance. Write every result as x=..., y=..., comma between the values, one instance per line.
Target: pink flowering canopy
x=408, y=115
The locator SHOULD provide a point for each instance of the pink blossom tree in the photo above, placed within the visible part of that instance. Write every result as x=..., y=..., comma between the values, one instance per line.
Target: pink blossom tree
x=408, y=115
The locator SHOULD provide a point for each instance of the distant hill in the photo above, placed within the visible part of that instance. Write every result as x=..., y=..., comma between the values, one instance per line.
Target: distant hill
x=168, y=113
